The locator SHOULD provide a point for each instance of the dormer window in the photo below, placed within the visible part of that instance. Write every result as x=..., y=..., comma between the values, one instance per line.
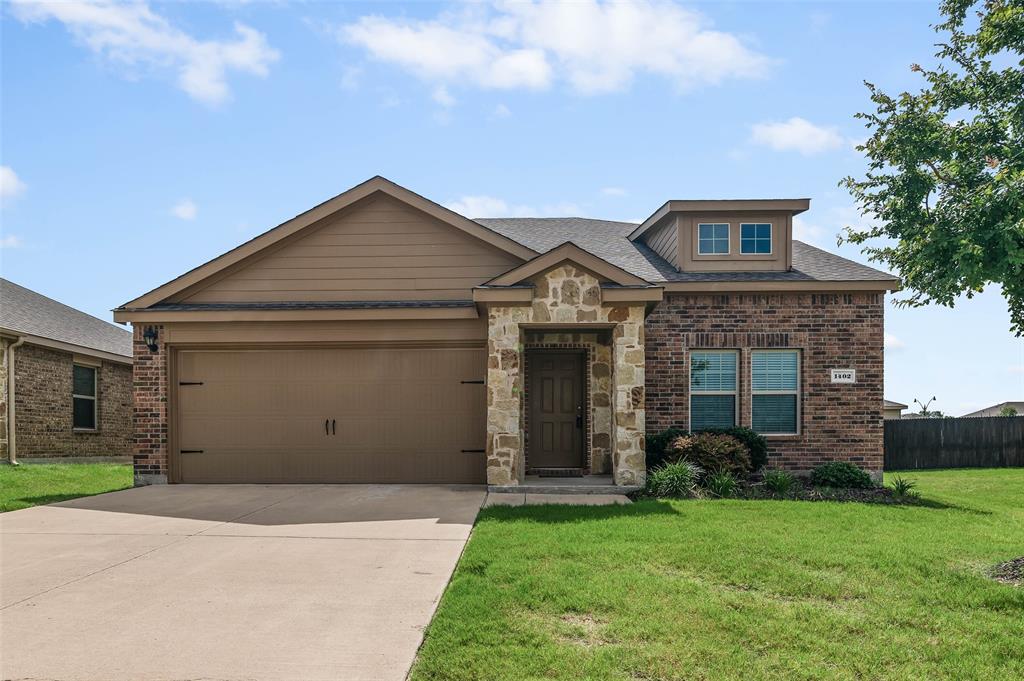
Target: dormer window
x=713, y=238
x=756, y=238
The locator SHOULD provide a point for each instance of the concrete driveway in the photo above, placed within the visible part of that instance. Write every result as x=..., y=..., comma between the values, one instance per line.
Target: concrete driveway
x=228, y=581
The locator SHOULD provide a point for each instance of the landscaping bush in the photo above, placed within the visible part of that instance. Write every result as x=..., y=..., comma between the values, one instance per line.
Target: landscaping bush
x=656, y=445
x=713, y=453
x=756, y=444
x=675, y=480
x=841, y=474
x=721, y=484
x=779, y=482
x=902, y=487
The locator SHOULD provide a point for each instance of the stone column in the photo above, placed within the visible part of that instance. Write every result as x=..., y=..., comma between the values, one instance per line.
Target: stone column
x=504, y=390
x=629, y=466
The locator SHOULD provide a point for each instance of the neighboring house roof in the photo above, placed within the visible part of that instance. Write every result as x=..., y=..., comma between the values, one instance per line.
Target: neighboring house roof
x=889, y=404
x=25, y=312
x=609, y=241
x=996, y=408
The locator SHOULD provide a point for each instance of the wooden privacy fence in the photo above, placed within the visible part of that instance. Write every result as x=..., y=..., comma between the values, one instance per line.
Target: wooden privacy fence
x=983, y=442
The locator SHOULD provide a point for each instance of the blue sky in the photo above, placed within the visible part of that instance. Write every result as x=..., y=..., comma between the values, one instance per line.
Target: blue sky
x=141, y=140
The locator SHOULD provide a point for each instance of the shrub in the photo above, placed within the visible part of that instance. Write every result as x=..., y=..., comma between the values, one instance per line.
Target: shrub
x=721, y=484
x=656, y=445
x=756, y=444
x=841, y=474
x=676, y=480
x=779, y=482
x=903, y=487
x=713, y=453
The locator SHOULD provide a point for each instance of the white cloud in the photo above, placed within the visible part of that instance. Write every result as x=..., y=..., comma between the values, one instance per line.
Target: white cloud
x=594, y=47
x=10, y=241
x=482, y=206
x=186, y=209
x=807, y=232
x=891, y=342
x=443, y=97
x=613, y=191
x=797, y=134
x=501, y=111
x=132, y=34
x=10, y=184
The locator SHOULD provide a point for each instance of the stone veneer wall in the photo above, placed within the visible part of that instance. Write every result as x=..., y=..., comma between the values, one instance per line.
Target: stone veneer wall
x=43, y=406
x=564, y=296
x=598, y=380
x=838, y=422
x=150, y=413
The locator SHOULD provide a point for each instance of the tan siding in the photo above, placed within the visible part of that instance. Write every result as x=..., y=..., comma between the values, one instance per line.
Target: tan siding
x=663, y=239
x=379, y=249
x=370, y=332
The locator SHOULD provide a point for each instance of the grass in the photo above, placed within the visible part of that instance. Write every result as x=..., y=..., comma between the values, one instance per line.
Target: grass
x=733, y=589
x=32, y=484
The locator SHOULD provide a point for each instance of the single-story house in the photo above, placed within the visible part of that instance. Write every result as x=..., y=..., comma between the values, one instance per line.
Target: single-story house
x=65, y=380
x=892, y=410
x=381, y=337
x=997, y=410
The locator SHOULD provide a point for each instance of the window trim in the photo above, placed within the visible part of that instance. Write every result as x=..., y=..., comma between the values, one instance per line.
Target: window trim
x=94, y=397
x=728, y=238
x=735, y=392
x=771, y=238
x=798, y=392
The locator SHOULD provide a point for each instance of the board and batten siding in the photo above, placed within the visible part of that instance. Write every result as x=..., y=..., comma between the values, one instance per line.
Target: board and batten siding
x=379, y=249
x=664, y=241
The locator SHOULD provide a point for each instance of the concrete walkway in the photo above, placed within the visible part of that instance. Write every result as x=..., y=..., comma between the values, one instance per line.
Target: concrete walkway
x=228, y=582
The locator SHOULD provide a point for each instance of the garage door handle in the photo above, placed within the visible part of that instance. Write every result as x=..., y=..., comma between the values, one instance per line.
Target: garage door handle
x=191, y=451
x=327, y=426
x=334, y=427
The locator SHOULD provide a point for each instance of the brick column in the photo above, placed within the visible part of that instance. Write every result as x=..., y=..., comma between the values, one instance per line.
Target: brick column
x=149, y=378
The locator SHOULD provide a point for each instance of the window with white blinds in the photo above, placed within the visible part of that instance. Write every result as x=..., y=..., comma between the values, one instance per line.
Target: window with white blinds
x=775, y=391
x=712, y=389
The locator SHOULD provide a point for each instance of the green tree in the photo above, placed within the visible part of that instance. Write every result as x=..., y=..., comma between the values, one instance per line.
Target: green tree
x=1007, y=411
x=944, y=187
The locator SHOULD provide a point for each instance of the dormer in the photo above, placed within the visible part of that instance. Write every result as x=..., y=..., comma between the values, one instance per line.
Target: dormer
x=730, y=235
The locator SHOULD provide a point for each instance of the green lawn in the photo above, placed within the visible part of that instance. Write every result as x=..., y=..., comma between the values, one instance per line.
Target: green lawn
x=741, y=589
x=31, y=484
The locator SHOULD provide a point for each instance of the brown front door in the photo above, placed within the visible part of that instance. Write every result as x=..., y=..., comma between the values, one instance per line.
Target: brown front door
x=557, y=405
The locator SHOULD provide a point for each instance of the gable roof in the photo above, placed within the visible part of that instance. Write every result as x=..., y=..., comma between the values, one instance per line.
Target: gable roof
x=361, y=191
x=890, y=404
x=610, y=241
x=25, y=312
x=568, y=251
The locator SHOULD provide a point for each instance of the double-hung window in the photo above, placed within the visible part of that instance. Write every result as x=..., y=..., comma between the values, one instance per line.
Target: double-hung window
x=712, y=389
x=756, y=238
x=713, y=238
x=83, y=398
x=775, y=391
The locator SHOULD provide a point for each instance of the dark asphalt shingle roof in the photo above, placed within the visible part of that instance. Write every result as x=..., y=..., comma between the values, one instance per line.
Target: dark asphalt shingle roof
x=608, y=240
x=25, y=311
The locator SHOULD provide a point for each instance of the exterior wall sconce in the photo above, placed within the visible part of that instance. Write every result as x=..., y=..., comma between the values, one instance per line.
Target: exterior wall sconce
x=149, y=335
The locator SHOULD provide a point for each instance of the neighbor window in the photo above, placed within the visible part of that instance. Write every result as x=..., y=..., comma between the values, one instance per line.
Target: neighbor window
x=712, y=389
x=712, y=238
x=83, y=397
x=775, y=391
x=756, y=237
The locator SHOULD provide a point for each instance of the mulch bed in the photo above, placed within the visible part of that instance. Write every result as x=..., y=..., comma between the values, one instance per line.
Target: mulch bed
x=1011, y=572
x=805, y=492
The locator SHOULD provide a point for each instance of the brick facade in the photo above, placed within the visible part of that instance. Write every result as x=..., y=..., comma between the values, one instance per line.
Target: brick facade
x=150, y=412
x=837, y=421
x=43, y=406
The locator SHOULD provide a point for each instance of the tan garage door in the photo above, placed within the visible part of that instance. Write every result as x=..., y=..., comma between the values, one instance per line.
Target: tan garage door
x=331, y=415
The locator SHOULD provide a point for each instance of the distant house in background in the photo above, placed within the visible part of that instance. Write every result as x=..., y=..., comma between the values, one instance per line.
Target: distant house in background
x=65, y=380
x=892, y=410
x=996, y=409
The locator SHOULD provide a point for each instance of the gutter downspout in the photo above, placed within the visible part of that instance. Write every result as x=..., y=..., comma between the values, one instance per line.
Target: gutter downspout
x=12, y=456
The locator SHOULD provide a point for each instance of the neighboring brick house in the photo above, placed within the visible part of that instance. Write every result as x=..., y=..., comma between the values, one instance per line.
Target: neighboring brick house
x=71, y=380
x=380, y=337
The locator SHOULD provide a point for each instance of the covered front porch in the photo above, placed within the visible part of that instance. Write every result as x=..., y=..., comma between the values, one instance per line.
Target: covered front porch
x=565, y=375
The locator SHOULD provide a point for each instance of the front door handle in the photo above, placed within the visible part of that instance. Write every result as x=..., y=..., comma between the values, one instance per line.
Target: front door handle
x=334, y=427
x=579, y=417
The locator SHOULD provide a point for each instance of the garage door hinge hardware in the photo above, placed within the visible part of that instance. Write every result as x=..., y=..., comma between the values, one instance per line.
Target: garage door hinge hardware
x=473, y=451
x=190, y=382
x=480, y=382
x=191, y=451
